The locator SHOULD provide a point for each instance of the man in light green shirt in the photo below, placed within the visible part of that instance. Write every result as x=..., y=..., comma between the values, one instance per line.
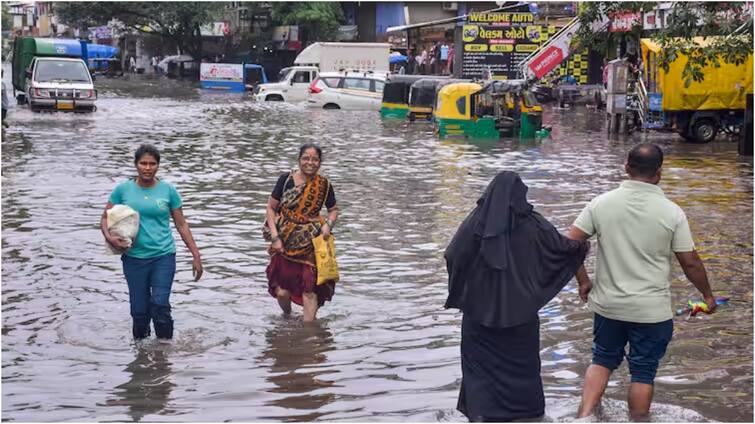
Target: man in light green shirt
x=638, y=231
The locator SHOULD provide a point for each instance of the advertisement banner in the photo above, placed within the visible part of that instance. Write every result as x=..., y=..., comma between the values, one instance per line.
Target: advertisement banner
x=623, y=22
x=216, y=29
x=100, y=32
x=223, y=76
x=497, y=42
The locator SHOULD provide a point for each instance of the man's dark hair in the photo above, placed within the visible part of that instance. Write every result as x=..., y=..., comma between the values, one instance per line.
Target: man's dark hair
x=644, y=160
x=146, y=149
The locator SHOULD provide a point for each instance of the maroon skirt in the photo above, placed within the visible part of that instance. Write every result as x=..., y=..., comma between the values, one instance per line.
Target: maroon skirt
x=297, y=278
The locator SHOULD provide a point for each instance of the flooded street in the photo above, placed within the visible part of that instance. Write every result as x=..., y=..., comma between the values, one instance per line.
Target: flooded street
x=384, y=349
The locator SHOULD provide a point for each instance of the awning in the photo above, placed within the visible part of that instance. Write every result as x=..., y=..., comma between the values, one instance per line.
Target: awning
x=450, y=20
x=425, y=24
x=648, y=44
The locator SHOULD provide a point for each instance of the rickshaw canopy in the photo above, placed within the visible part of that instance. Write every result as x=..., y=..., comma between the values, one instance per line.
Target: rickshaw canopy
x=453, y=100
x=423, y=91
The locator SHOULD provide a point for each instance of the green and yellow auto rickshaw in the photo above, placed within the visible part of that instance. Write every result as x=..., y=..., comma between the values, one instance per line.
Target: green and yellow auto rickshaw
x=492, y=109
x=422, y=97
x=396, y=95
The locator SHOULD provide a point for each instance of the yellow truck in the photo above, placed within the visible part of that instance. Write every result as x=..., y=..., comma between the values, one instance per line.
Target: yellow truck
x=702, y=110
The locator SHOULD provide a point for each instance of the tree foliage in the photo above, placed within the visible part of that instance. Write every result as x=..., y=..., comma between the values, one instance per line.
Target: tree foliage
x=725, y=27
x=179, y=22
x=7, y=19
x=317, y=21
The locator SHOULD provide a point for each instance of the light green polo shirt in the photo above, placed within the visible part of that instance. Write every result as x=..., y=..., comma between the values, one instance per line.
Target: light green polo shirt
x=638, y=231
x=154, y=205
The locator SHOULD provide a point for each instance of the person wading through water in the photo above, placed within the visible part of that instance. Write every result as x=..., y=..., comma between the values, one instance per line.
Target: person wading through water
x=294, y=208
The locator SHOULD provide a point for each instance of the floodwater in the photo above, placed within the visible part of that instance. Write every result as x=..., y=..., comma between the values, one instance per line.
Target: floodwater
x=384, y=349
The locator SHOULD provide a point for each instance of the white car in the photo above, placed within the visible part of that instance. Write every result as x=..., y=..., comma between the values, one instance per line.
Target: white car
x=352, y=90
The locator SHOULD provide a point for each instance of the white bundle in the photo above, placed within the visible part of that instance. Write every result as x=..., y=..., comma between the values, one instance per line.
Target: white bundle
x=122, y=222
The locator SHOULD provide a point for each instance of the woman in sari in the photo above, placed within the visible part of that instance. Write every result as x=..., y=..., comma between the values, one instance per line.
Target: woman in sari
x=294, y=207
x=505, y=262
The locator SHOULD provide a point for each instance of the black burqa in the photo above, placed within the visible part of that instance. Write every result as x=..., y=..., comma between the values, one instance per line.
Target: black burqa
x=505, y=262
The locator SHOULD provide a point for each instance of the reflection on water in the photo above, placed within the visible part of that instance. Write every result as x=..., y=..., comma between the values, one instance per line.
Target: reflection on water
x=149, y=387
x=296, y=349
x=384, y=349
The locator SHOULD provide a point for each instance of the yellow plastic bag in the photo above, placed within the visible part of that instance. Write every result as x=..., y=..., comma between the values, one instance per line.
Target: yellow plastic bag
x=325, y=259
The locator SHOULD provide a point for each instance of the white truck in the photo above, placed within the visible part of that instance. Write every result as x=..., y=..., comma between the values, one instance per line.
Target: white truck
x=294, y=82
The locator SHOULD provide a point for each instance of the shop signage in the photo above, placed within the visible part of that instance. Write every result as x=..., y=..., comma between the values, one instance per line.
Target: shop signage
x=623, y=22
x=497, y=42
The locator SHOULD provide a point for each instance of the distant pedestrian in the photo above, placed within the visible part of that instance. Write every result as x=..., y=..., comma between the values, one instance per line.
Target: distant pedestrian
x=149, y=265
x=451, y=57
x=443, y=58
x=638, y=231
x=605, y=73
x=155, y=68
x=436, y=58
x=132, y=64
x=4, y=101
x=425, y=60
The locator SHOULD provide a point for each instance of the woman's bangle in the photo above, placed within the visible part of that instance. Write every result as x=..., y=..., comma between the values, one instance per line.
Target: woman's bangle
x=274, y=239
x=330, y=223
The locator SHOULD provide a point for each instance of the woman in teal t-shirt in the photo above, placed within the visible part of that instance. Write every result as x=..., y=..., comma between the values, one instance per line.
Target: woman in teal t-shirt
x=150, y=264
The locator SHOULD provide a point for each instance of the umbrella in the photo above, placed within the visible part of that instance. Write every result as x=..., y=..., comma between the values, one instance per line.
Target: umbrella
x=397, y=58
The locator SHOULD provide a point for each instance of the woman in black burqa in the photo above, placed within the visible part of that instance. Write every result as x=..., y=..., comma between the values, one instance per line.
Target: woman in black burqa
x=505, y=262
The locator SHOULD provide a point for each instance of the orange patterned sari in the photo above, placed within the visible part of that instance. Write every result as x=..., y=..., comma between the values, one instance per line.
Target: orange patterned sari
x=298, y=219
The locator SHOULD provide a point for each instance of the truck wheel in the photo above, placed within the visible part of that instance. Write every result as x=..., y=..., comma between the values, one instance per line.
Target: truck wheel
x=704, y=130
x=273, y=98
x=331, y=106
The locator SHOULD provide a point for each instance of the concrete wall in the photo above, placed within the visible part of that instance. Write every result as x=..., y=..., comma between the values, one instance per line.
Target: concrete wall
x=430, y=11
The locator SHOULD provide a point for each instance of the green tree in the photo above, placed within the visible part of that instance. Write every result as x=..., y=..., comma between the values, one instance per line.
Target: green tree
x=317, y=21
x=727, y=28
x=179, y=22
x=7, y=19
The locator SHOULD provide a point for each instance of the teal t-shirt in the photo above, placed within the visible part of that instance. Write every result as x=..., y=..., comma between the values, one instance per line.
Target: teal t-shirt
x=154, y=205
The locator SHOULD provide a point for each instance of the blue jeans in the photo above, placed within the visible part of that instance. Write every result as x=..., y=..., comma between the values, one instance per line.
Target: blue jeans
x=647, y=345
x=149, y=282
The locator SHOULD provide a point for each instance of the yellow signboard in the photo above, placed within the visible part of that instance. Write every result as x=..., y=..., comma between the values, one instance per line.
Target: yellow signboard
x=475, y=47
x=526, y=48
x=503, y=48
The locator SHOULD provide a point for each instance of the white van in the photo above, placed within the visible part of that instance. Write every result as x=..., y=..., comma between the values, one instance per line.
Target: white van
x=323, y=57
x=293, y=85
x=59, y=84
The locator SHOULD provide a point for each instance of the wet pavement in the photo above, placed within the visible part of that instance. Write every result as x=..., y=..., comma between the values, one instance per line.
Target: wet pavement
x=384, y=349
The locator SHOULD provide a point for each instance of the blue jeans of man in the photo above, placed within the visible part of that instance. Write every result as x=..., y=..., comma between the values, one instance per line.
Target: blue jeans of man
x=149, y=284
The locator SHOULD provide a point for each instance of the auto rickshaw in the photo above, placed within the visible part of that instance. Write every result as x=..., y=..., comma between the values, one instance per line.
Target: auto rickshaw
x=493, y=110
x=396, y=95
x=422, y=97
x=520, y=111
